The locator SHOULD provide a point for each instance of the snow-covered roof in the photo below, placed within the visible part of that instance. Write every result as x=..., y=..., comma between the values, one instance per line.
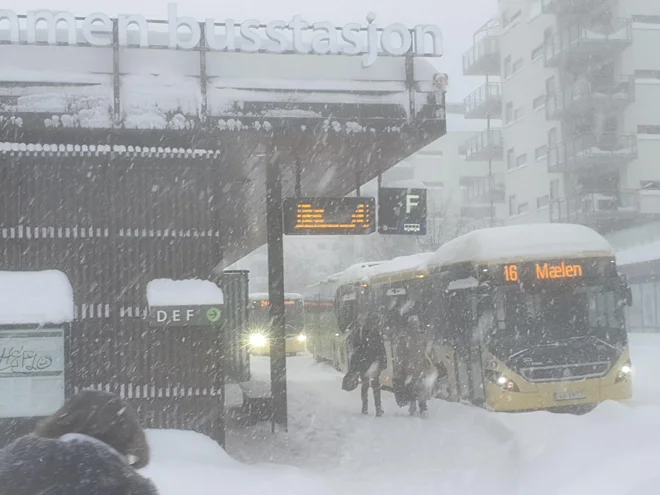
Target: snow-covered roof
x=639, y=254
x=521, y=242
x=191, y=292
x=397, y=265
x=35, y=297
x=264, y=296
x=354, y=273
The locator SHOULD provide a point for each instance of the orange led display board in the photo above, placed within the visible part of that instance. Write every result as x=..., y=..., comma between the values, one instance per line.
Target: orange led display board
x=546, y=271
x=329, y=216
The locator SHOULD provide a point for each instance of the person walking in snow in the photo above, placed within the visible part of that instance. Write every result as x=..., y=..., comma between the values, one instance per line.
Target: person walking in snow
x=413, y=370
x=91, y=446
x=368, y=361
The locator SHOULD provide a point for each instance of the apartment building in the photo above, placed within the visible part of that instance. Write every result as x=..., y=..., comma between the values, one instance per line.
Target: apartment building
x=580, y=103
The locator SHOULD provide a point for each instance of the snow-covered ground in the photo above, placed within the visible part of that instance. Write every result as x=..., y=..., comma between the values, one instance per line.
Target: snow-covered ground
x=332, y=448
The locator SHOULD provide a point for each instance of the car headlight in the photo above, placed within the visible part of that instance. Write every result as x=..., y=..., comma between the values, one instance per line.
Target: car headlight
x=501, y=380
x=258, y=340
x=624, y=373
x=301, y=338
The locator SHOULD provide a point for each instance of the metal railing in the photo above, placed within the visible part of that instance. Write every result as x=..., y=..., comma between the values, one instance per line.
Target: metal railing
x=618, y=30
x=486, y=94
x=590, y=146
x=618, y=88
x=486, y=47
x=484, y=142
x=575, y=208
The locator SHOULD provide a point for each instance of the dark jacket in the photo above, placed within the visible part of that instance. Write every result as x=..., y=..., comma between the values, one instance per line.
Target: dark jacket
x=72, y=465
x=412, y=365
x=369, y=353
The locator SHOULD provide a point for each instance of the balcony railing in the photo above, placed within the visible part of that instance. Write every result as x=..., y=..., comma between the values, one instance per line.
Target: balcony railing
x=579, y=43
x=573, y=7
x=484, y=102
x=611, y=94
x=608, y=151
x=484, y=147
x=477, y=190
x=606, y=211
x=483, y=59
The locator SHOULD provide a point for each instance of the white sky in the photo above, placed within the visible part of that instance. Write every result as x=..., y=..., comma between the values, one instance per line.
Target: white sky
x=457, y=19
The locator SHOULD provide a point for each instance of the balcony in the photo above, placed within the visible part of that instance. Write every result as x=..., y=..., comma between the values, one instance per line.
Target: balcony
x=579, y=44
x=484, y=102
x=478, y=193
x=573, y=7
x=604, y=212
x=605, y=95
x=480, y=148
x=483, y=59
x=589, y=152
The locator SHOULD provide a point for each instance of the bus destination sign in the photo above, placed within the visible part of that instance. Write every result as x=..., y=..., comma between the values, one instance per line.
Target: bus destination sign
x=329, y=216
x=553, y=271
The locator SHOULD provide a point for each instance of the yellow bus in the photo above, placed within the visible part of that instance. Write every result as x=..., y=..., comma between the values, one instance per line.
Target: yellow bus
x=526, y=317
x=259, y=324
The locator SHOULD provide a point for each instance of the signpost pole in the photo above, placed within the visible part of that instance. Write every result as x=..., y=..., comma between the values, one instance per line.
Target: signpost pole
x=275, y=236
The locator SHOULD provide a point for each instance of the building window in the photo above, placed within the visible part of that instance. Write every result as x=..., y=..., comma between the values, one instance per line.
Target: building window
x=550, y=85
x=541, y=152
x=646, y=19
x=648, y=129
x=647, y=74
x=523, y=208
x=542, y=202
x=508, y=116
x=521, y=160
x=537, y=53
x=552, y=137
x=518, y=114
x=510, y=163
x=517, y=66
x=554, y=189
x=512, y=205
x=507, y=66
x=539, y=102
x=650, y=185
x=547, y=35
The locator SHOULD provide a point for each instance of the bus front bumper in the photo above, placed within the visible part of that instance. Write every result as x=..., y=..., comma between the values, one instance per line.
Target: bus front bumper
x=260, y=346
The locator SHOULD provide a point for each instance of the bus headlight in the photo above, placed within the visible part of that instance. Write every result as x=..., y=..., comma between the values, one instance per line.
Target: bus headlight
x=624, y=373
x=258, y=340
x=301, y=338
x=502, y=380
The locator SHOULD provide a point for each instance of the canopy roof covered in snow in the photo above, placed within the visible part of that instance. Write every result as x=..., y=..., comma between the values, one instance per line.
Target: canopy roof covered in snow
x=522, y=242
x=354, y=273
x=35, y=297
x=192, y=292
x=403, y=266
x=264, y=296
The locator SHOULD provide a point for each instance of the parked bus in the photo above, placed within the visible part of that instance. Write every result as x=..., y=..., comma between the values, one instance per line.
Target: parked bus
x=524, y=317
x=259, y=324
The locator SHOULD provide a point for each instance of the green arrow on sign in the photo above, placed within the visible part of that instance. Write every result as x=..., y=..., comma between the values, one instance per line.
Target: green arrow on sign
x=213, y=314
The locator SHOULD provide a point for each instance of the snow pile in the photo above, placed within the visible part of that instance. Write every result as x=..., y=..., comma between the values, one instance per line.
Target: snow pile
x=192, y=292
x=353, y=274
x=35, y=297
x=402, y=263
x=639, y=254
x=519, y=242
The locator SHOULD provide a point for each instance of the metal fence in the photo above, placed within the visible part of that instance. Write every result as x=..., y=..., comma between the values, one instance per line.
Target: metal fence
x=112, y=222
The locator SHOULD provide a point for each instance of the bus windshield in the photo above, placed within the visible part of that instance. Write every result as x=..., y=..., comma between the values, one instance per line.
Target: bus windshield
x=293, y=315
x=555, y=314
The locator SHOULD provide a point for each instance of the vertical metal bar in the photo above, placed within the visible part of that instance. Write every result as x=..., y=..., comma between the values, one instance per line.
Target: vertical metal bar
x=275, y=236
x=116, y=77
x=357, y=182
x=489, y=144
x=203, y=78
x=298, y=178
x=410, y=85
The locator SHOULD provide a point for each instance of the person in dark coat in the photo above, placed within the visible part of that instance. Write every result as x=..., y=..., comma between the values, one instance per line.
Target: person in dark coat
x=91, y=446
x=369, y=360
x=413, y=368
